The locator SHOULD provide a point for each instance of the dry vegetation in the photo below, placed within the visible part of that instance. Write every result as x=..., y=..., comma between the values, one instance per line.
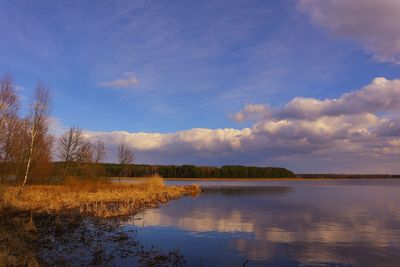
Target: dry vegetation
x=75, y=198
x=16, y=235
x=101, y=199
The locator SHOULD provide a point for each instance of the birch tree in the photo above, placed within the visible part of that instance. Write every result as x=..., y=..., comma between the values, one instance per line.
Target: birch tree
x=38, y=121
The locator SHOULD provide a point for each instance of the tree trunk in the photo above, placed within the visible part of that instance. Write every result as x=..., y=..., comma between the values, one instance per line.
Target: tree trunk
x=28, y=164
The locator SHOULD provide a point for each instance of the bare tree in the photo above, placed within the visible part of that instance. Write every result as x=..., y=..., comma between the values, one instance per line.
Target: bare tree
x=20, y=147
x=90, y=155
x=38, y=126
x=8, y=122
x=98, y=154
x=99, y=151
x=73, y=148
x=85, y=154
x=125, y=158
x=70, y=146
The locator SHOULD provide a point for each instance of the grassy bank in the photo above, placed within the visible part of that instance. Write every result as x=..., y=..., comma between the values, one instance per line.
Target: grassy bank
x=65, y=205
x=101, y=199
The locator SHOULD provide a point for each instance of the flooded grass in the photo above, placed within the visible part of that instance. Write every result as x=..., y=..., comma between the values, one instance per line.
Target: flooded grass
x=34, y=224
x=16, y=236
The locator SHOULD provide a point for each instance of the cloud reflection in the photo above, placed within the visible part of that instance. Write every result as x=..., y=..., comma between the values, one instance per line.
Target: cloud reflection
x=362, y=223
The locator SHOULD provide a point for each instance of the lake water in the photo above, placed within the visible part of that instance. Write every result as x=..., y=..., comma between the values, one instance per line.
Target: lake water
x=279, y=223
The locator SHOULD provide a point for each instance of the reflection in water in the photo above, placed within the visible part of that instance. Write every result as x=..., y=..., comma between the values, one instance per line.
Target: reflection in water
x=315, y=224
x=246, y=190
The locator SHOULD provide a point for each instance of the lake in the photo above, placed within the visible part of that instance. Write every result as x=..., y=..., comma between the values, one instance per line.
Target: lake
x=278, y=223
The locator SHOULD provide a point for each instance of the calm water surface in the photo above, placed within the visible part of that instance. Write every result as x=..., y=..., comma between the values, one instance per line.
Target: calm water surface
x=279, y=223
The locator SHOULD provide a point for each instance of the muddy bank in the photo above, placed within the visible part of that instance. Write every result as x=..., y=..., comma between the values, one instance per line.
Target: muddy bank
x=88, y=241
x=17, y=235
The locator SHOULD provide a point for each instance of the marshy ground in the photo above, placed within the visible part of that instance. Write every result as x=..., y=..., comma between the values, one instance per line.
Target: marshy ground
x=77, y=222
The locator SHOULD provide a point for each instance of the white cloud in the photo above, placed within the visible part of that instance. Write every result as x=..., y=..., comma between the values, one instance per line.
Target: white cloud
x=251, y=111
x=128, y=80
x=381, y=95
x=204, y=141
x=374, y=24
x=306, y=134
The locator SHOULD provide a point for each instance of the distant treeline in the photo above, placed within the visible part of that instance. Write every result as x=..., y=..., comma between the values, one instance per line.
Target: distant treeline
x=186, y=171
x=349, y=176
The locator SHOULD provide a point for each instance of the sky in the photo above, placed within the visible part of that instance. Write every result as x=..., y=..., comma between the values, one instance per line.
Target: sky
x=310, y=85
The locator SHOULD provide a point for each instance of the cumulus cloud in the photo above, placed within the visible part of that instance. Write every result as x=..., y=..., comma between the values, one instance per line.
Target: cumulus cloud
x=198, y=140
x=128, y=80
x=381, y=95
x=389, y=128
x=306, y=134
x=373, y=24
x=251, y=111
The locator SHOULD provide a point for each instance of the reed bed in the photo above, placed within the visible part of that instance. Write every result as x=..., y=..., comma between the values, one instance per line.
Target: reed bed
x=72, y=201
x=94, y=198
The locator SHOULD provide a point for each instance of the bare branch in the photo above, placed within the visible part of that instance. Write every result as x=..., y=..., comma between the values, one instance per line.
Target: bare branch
x=9, y=106
x=125, y=158
x=125, y=155
x=99, y=151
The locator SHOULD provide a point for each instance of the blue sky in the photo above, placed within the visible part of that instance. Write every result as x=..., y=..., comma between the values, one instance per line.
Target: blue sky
x=170, y=66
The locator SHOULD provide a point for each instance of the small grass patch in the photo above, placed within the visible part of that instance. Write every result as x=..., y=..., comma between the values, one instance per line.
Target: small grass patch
x=16, y=234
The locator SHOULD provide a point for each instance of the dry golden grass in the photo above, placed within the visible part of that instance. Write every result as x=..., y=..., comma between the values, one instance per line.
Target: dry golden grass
x=96, y=198
x=74, y=197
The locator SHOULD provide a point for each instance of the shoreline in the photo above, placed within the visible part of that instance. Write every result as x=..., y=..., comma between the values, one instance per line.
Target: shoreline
x=115, y=179
x=52, y=212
